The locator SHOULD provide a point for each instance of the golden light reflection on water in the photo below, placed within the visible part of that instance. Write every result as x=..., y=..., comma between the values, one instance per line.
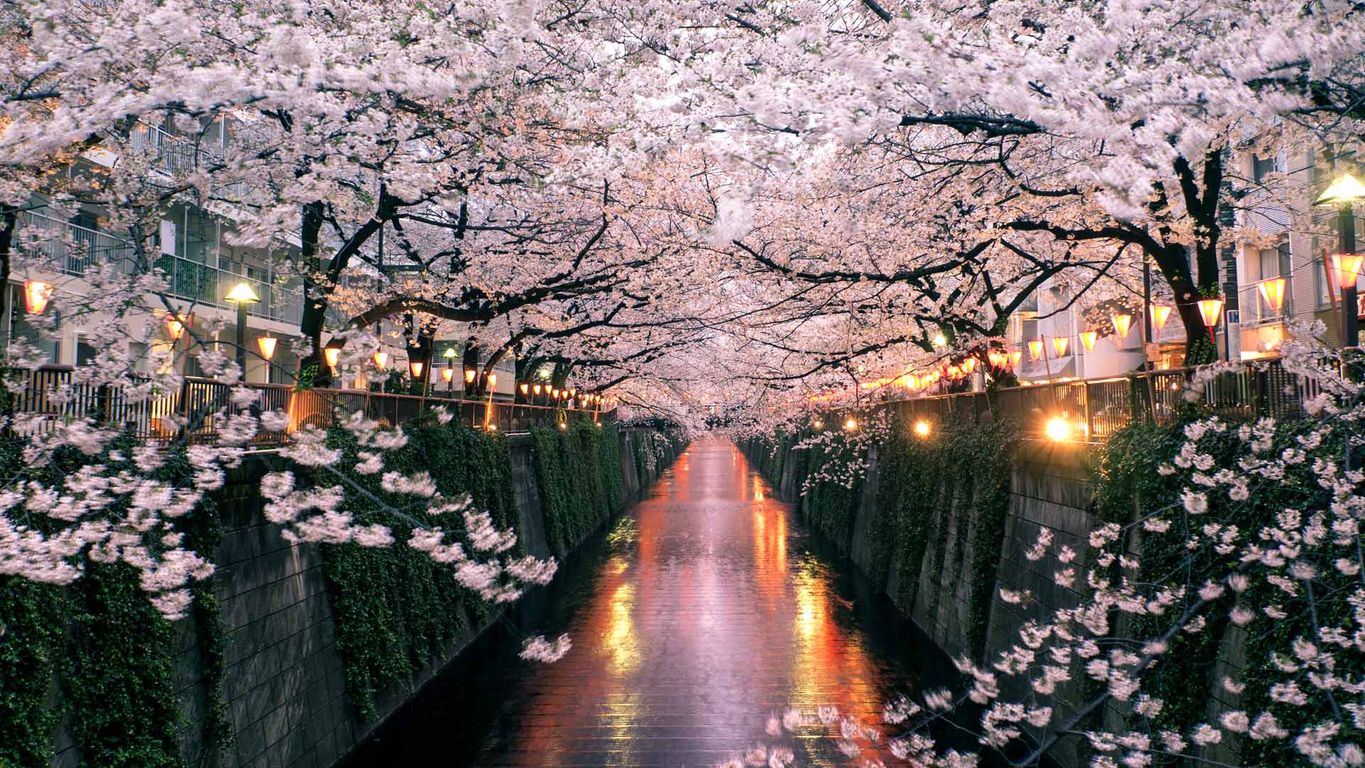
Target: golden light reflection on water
x=621, y=642
x=699, y=625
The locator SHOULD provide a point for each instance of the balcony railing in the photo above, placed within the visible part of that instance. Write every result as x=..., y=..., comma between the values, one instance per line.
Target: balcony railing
x=72, y=249
x=1092, y=411
x=54, y=398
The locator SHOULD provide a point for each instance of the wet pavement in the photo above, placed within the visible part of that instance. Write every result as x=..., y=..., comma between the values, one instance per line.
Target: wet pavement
x=704, y=610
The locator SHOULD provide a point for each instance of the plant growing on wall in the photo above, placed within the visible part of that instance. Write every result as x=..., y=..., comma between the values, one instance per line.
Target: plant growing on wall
x=1211, y=538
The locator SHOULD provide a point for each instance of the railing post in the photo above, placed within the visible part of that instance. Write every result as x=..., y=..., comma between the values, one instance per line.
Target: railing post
x=1085, y=407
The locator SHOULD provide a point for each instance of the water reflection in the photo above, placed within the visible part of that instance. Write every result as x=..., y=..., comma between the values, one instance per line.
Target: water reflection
x=707, y=612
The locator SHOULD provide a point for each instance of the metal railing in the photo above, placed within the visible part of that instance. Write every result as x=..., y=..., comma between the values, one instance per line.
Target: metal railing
x=52, y=397
x=73, y=249
x=1092, y=411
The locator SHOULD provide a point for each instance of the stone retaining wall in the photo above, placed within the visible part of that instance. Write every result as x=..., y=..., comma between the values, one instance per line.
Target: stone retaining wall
x=284, y=681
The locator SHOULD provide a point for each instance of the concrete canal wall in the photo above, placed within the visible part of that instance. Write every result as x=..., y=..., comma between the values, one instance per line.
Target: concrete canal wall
x=284, y=681
x=942, y=532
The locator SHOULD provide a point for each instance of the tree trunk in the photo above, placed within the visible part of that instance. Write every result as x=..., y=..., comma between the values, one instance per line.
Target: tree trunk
x=314, y=297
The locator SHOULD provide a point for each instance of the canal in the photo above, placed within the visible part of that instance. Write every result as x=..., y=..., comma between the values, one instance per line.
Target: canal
x=702, y=611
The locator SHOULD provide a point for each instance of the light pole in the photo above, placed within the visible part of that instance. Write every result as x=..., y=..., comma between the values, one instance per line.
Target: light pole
x=1343, y=192
x=242, y=295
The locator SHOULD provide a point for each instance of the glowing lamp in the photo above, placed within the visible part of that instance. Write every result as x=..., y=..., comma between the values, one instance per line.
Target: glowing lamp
x=175, y=326
x=448, y=375
x=242, y=293
x=536, y=389
x=1344, y=189
x=416, y=367
x=1058, y=429
x=818, y=424
x=1123, y=323
x=1088, y=339
x=1160, y=314
x=469, y=374
x=524, y=387
x=36, y=295
x=851, y=425
x=996, y=358
x=1346, y=267
x=492, y=427
x=940, y=341
x=381, y=360
x=1015, y=357
x=1210, y=310
x=923, y=428
x=969, y=364
x=554, y=392
x=449, y=354
x=1273, y=293
x=492, y=381
x=267, y=346
x=1060, y=345
x=332, y=355
x=1035, y=349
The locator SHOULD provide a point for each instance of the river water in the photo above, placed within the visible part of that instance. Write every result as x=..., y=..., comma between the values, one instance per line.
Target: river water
x=699, y=613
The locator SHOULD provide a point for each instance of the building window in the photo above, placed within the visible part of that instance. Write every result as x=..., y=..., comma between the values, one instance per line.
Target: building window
x=1262, y=167
x=1323, y=292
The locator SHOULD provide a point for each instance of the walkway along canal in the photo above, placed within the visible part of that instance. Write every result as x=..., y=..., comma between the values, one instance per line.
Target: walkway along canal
x=704, y=610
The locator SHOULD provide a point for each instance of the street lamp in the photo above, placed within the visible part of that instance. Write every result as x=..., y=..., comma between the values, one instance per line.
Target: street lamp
x=1160, y=314
x=175, y=326
x=1088, y=339
x=1343, y=192
x=1273, y=293
x=448, y=376
x=1123, y=323
x=267, y=344
x=36, y=295
x=381, y=360
x=1035, y=349
x=332, y=354
x=1211, y=310
x=1060, y=344
x=1058, y=429
x=242, y=295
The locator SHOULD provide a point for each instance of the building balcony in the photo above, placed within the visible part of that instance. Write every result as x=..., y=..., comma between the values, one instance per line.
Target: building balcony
x=72, y=249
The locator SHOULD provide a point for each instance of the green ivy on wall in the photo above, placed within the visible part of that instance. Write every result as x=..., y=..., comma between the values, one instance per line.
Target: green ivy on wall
x=118, y=681
x=396, y=609
x=1188, y=672
x=32, y=621
x=578, y=474
x=110, y=654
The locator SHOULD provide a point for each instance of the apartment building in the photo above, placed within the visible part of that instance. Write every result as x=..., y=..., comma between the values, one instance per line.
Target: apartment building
x=194, y=249
x=1288, y=276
